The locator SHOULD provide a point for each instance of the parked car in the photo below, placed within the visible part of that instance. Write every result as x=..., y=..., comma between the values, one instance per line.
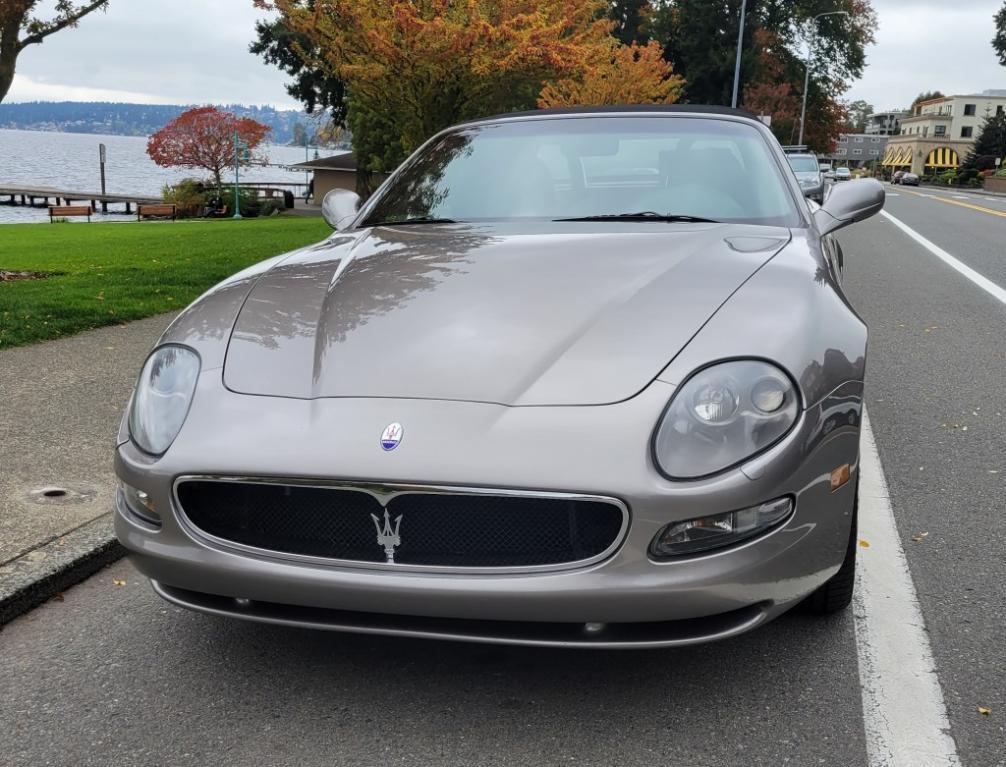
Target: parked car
x=909, y=179
x=896, y=178
x=842, y=174
x=808, y=175
x=524, y=394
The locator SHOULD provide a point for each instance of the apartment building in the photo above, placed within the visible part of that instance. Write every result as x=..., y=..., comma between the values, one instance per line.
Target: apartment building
x=856, y=149
x=885, y=123
x=939, y=133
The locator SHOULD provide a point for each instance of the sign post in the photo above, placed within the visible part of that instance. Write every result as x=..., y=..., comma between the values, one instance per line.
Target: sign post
x=102, y=154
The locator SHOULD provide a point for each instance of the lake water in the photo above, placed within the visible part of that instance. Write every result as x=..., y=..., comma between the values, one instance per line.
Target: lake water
x=70, y=161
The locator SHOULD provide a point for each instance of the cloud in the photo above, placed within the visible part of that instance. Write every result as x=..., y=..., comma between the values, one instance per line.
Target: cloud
x=930, y=45
x=164, y=51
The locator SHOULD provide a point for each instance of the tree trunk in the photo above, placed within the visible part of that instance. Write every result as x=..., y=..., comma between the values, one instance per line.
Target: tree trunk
x=8, y=54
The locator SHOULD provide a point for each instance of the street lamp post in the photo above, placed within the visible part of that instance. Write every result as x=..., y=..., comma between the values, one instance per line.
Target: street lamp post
x=240, y=153
x=737, y=62
x=806, y=74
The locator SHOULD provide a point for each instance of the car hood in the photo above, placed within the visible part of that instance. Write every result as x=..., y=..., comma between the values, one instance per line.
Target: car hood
x=549, y=314
x=808, y=175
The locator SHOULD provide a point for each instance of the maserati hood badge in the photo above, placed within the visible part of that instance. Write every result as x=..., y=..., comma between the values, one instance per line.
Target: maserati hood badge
x=391, y=437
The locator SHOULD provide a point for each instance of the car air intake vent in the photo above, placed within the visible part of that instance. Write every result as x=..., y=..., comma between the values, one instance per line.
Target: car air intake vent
x=453, y=528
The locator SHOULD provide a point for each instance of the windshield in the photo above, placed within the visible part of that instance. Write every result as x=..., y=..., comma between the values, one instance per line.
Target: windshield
x=803, y=163
x=593, y=166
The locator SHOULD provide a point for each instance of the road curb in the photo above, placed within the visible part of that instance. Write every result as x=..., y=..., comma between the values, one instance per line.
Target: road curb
x=40, y=574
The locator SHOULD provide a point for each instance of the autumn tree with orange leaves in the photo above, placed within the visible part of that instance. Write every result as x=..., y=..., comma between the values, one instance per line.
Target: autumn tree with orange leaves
x=622, y=74
x=413, y=67
x=203, y=138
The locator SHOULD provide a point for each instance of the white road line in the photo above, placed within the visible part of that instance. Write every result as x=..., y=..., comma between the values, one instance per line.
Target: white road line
x=903, y=710
x=978, y=279
x=894, y=194
x=960, y=197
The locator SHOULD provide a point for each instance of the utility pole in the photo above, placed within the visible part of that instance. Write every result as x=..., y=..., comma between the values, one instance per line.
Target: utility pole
x=740, y=45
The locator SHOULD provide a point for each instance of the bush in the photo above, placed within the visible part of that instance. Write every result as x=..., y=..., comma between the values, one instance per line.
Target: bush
x=967, y=175
x=189, y=196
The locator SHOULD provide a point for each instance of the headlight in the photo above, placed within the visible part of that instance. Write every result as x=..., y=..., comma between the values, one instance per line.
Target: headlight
x=723, y=415
x=162, y=398
x=705, y=533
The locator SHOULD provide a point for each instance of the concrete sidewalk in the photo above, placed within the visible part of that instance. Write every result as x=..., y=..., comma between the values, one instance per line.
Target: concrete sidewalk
x=60, y=405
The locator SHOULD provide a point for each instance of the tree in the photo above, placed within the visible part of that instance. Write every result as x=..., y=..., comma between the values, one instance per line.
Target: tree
x=293, y=53
x=413, y=67
x=19, y=28
x=204, y=138
x=701, y=38
x=925, y=96
x=630, y=17
x=999, y=41
x=625, y=74
x=859, y=112
x=990, y=144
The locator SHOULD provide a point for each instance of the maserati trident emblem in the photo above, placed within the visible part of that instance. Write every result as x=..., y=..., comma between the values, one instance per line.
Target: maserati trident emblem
x=387, y=536
x=391, y=437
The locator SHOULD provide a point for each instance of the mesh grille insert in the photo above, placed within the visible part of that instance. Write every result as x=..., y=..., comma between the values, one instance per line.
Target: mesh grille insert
x=446, y=530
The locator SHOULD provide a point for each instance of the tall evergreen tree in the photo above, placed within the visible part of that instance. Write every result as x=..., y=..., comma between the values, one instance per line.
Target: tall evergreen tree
x=631, y=20
x=999, y=41
x=990, y=144
x=312, y=85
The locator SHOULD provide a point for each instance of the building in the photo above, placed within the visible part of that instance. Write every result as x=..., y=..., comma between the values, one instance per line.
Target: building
x=885, y=123
x=857, y=149
x=335, y=172
x=940, y=132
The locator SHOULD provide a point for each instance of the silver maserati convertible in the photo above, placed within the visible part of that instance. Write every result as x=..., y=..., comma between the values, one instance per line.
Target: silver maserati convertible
x=580, y=378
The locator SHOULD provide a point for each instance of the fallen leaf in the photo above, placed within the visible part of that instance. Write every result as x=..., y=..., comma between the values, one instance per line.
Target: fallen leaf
x=984, y=711
x=864, y=544
x=58, y=597
x=117, y=582
x=920, y=537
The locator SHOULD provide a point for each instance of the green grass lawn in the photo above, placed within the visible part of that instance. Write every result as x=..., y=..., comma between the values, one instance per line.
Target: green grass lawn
x=111, y=273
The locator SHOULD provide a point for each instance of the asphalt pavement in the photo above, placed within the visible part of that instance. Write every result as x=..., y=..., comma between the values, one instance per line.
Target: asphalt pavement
x=109, y=674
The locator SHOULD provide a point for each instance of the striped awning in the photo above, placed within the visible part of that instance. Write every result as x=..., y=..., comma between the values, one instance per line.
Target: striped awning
x=942, y=157
x=896, y=156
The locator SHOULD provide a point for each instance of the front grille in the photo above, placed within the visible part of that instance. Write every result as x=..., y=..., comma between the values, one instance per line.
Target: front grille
x=438, y=529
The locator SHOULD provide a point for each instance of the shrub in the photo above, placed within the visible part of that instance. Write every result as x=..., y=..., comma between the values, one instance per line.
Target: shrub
x=189, y=195
x=967, y=175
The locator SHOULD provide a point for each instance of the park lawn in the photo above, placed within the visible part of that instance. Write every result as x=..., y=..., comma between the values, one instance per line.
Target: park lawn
x=110, y=273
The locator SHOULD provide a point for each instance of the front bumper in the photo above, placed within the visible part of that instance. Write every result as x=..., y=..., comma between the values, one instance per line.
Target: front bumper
x=642, y=602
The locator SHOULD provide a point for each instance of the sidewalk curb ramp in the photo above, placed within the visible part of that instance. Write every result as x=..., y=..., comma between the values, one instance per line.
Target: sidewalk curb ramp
x=43, y=572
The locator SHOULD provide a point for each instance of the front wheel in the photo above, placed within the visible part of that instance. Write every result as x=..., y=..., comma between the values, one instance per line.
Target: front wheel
x=836, y=593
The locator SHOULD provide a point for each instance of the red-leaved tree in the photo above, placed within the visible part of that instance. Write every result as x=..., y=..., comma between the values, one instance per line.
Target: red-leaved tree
x=204, y=138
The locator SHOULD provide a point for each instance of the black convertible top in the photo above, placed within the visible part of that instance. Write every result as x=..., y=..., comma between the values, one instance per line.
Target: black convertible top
x=649, y=108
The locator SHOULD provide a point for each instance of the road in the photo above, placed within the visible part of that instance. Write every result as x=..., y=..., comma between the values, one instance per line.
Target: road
x=111, y=675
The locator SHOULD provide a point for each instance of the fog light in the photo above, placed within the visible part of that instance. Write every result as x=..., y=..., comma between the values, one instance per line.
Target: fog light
x=139, y=503
x=705, y=533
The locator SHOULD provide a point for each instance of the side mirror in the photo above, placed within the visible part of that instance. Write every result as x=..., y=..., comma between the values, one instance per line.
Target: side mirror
x=339, y=207
x=849, y=203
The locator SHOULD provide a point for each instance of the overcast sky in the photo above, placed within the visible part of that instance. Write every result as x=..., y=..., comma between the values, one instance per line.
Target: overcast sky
x=196, y=51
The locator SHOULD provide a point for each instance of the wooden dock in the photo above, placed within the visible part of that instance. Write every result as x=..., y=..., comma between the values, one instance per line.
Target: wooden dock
x=43, y=196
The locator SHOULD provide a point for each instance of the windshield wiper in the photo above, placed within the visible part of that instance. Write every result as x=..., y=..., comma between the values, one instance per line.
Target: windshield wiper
x=415, y=220
x=646, y=215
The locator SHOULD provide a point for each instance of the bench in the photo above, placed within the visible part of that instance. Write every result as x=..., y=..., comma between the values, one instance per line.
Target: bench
x=63, y=211
x=162, y=209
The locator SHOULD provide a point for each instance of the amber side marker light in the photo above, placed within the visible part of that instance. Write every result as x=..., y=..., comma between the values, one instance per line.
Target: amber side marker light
x=839, y=477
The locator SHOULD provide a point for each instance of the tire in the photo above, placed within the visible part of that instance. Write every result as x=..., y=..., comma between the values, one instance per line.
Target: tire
x=836, y=593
